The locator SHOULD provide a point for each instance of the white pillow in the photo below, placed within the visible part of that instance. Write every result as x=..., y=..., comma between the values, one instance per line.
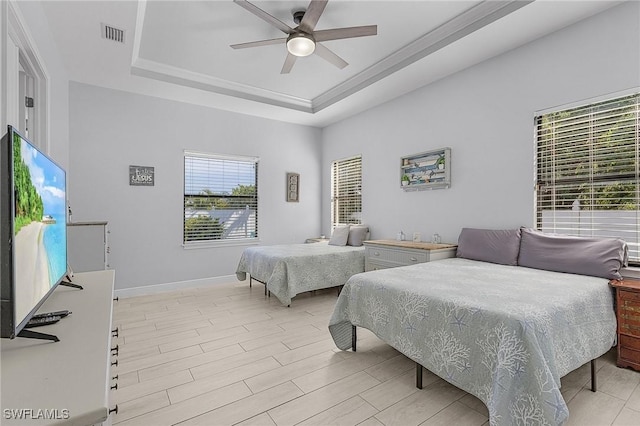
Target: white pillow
x=357, y=234
x=339, y=236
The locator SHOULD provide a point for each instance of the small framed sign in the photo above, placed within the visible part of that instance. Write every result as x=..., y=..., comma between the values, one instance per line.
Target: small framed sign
x=293, y=187
x=141, y=176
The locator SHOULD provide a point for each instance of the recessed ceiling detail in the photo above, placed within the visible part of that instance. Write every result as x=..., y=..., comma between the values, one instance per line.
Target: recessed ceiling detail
x=476, y=16
x=179, y=50
x=304, y=39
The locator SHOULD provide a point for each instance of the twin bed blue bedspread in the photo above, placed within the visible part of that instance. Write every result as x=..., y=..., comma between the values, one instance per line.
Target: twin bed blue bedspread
x=291, y=269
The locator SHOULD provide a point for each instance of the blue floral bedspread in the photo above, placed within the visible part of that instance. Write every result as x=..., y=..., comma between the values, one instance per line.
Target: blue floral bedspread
x=295, y=268
x=505, y=334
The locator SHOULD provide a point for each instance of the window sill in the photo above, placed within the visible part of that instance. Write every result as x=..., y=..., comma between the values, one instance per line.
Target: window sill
x=630, y=272
x=217, y=244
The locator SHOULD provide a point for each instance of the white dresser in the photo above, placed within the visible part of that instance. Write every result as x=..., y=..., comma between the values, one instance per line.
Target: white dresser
x=88, y=246
x=381, y=254
x=66, y=382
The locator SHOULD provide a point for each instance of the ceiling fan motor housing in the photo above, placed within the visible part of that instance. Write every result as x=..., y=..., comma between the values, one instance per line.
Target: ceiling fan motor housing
x=298, y=15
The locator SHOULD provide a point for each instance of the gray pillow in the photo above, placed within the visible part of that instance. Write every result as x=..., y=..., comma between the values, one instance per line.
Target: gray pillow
x=357, y=234
x=597, y=257
x=339, y=236
x=489, y=245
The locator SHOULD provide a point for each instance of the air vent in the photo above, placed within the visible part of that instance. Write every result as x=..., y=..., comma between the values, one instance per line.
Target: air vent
x=112, y=33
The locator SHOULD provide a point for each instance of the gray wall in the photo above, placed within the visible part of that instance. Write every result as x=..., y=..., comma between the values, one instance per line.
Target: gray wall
x=111, y=130
x=485, y=114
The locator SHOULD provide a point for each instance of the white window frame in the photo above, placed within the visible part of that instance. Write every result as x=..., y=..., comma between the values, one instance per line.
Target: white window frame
x=346, y=179
x=253, y=217
x=559, y=176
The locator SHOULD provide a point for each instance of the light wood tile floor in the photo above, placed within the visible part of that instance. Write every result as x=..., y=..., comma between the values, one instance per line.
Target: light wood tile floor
x=228, y=355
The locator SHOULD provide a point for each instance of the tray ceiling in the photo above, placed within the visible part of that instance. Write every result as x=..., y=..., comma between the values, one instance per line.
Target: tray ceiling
x=180, y=49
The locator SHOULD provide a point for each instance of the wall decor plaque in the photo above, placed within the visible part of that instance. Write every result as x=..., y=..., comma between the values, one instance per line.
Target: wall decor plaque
x=141, y=175
x=293, y=187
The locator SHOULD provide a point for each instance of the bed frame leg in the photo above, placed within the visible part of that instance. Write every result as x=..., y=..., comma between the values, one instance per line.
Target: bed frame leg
x=418, y=375
x=250, y=279
x=593, y=375
x=354, y=338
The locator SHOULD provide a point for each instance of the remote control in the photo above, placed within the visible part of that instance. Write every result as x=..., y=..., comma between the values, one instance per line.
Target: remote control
x=36, y=322
x=60, y=314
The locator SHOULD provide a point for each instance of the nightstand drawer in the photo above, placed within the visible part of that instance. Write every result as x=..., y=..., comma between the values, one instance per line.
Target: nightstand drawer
x=629, y=355
x=402, y=257
x=630, y=342
x=630, y=296
x=382, y=254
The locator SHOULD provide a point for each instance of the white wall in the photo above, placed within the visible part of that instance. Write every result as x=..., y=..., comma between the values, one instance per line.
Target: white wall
x=485, y=114
x=36, y=26
x=111, y=130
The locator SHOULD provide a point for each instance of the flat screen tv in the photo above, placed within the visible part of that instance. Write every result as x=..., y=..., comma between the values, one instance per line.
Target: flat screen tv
x=33, y=259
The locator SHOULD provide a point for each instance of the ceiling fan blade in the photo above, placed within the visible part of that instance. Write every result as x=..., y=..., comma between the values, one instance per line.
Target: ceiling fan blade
x=259, y=43
x=329, y=56
x=264, y=16
x=349, y=32
x=288, y=63
x=311, y=16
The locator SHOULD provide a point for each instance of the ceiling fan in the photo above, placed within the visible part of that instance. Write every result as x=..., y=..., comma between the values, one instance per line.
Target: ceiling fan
x=303, y=40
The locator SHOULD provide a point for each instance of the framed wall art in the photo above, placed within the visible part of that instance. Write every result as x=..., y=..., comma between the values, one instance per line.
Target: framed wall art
x=293, y=187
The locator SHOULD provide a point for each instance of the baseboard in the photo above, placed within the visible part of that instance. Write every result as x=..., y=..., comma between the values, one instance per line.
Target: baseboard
x=178, y=285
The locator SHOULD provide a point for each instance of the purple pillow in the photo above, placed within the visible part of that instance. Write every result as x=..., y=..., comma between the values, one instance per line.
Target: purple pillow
x=490, y=245
x=597, y=257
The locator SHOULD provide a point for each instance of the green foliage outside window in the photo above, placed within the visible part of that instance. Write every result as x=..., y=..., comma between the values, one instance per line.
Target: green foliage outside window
x=202, y=228
x=593, y=157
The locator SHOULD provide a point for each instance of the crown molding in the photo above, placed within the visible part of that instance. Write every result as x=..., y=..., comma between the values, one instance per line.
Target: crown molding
x=455, y=29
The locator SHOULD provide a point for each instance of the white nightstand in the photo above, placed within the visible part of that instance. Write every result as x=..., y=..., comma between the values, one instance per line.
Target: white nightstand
x=382, y=254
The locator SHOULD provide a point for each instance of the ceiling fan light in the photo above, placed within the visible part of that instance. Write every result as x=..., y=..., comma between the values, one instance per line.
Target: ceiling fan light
x=300, y=44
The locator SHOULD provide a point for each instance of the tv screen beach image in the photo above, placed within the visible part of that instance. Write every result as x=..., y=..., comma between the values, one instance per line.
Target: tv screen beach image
x=39, y=225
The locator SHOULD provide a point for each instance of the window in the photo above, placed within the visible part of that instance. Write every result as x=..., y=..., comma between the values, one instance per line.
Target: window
x=587, y=171
x=346, y=191
x=220, y=198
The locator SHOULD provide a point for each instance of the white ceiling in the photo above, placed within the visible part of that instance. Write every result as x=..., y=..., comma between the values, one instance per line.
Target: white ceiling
x=180, y=49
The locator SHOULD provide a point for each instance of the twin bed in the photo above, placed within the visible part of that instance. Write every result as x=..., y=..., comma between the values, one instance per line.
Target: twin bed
x=291, y=269
x=288, y=270
x=515, y=312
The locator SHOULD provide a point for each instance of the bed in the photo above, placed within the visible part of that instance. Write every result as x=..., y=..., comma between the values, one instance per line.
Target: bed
x=502, y=332
x=288, y=270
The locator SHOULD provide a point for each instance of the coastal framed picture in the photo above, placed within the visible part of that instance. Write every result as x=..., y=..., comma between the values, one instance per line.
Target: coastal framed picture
x=293, y=187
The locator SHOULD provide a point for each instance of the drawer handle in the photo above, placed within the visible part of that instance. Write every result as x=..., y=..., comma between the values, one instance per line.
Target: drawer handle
x=375, y=253
x=413, y=259
x=116, y=350
x=114, y=410
x=115, y=363
x=115, y=332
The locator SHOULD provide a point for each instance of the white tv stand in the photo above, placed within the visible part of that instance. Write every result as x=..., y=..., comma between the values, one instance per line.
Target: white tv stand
x=70, y=378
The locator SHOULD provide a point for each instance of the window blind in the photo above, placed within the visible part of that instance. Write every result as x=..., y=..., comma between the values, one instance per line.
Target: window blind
x=588, y=171
x=220, y=197
x=346, y=191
